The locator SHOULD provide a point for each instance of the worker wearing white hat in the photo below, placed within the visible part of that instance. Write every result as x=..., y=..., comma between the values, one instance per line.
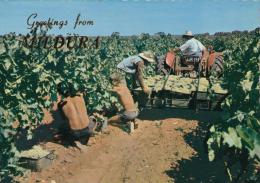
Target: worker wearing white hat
x=134, y=65
x=192, y=50
x=192, y=47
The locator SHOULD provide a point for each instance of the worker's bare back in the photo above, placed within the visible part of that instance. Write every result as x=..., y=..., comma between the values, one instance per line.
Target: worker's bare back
x=75, y=111
x=125, y=97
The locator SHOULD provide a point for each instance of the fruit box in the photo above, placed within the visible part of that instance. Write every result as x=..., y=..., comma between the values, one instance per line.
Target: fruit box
x=39, y=163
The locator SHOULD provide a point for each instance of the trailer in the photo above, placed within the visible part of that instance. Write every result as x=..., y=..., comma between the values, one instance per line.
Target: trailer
x=180, y=92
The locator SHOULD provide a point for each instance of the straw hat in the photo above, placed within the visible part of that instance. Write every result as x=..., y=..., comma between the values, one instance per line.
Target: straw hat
x=188, y=34
x=148, y=55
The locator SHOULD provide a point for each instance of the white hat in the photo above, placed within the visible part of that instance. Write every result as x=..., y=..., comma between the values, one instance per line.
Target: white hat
x=148, y=55
x=188, y=34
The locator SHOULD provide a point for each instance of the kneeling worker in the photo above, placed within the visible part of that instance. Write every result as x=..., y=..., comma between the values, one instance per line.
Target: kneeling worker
x=133, y=65
x=130, y=110
x=74, y=110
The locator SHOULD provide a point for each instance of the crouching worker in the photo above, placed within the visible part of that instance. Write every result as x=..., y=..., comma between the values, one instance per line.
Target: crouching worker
x=130, y=110
x=133, y=68
x=73, y=108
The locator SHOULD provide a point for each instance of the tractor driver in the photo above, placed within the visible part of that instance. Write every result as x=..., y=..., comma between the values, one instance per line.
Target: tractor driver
x=192, y=51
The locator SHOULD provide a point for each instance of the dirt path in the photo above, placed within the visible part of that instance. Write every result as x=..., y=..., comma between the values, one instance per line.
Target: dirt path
x=161, y=150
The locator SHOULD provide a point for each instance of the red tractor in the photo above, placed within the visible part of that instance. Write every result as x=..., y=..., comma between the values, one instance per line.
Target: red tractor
x=176, y=65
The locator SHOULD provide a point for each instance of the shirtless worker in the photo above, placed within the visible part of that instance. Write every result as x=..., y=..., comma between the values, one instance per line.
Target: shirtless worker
x=133, y=65
x=74, y=111
x=130, y=110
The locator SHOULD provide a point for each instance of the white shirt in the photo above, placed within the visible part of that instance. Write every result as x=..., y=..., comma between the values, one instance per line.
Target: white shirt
x=129, y=64
x=192, y=47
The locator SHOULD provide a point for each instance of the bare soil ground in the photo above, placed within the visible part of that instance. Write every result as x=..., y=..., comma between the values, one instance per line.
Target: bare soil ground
x=168, y=146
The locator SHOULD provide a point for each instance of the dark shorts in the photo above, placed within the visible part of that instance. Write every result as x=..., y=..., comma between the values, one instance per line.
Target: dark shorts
x=126, y=116
x=88, y=131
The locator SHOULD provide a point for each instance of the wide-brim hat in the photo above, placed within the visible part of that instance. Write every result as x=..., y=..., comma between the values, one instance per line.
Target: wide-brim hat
x=148, y=56
x=188, y=34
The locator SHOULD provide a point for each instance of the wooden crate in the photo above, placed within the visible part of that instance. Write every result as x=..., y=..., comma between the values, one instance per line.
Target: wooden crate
x=37, y=164
x=204, y=102
x=164, y=98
